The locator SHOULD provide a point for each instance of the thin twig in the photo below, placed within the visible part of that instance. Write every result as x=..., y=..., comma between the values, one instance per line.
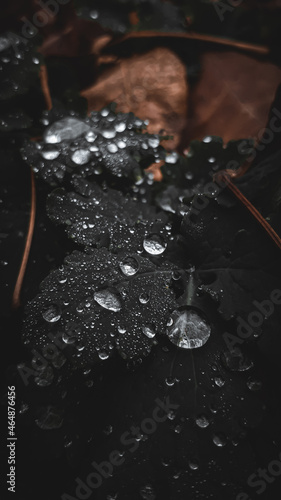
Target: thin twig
x=201, y=37
x=18, y=286
x=270, y=231
x=45, y=86
x=43, y=75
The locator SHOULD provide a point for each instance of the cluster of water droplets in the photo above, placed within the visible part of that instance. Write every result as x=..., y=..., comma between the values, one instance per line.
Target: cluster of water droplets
x=103, y=141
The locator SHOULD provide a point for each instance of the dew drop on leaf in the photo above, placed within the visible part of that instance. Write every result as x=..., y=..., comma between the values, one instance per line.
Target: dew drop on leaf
x=144, y=298
x=236, y=361
x=81, y=156
x=219, y=439
x=65, y=129
x=148, y=331
x=108, y=299
x=49, y=418
x=202, y=421
x=52, y=313
x=129, y=266
x=103, y=355
x=188, y=330
x=154, y=244
x=147, y=493
x=50, y=154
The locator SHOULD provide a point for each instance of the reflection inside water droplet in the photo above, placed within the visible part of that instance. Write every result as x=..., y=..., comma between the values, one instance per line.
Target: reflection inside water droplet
x=52, y=313
x=108, y=299
x=154, y=244
x=188, y=330
x=129, y=266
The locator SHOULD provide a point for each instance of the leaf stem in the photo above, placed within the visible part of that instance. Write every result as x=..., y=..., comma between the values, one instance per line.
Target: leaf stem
x=18, y=285
x=226, y=178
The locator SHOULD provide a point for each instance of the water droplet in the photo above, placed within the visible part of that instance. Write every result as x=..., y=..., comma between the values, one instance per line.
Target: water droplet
x=202, y=421
x=109, y=134
x=112, y=148
x=81, y=156
x=65, y=129
x=189, y=330
x=207, y=139
x=90, y=136
x=253, y=384
x=144, y=298
x=148, y=331
x=172, y=158
x=219, y=439
x=108, y=299
x=129, y=266
x=52, y=313
x=236, y=361
x=147, y=493
x=193, y=465
x=154, y=244
x=219, y=381
x=94, y=14
x=121, y=144
x=103, y=355
x=170, y=381
x=52, y=154
x=49, y=418
x=120, y=126
x=154, y=141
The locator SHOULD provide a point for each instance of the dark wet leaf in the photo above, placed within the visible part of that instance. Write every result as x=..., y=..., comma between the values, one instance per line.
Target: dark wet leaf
x=187, y=177
x=95, y=216
x=98, y=302
x=104, y=142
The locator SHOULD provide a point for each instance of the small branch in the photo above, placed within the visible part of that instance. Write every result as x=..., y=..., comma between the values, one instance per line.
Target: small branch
x=43, y=75
x=226, y=178
x=201, y=37
x=18, y=286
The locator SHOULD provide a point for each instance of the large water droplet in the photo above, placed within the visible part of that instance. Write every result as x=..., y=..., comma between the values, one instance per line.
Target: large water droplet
x=52, y=313
x=172, y=158
x=52, y=154
x=120, y=126
x=108, y=299
x=109, y=133
x=154, y=244
x=144, y=298
x=154, y=141
x=236, y=361
x=129, y=266
x=81, y=156
x=65, y=129
x=188, y=330
x=103, y=355
x=202, y=421
x=148, y=331
x=50, y=418
x=219, y=439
